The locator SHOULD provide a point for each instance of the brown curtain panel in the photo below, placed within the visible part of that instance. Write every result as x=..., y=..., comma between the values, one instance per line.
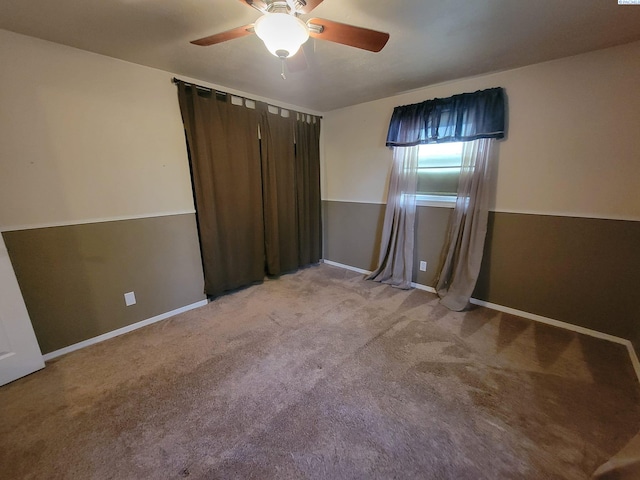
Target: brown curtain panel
x=279, y=182
x=224, y=154
x=308, y=189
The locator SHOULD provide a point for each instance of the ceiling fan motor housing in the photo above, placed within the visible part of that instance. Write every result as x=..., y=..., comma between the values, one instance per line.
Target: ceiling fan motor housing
x=279, y=6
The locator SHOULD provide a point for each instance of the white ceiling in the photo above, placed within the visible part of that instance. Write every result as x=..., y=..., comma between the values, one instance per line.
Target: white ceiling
x=432, y=41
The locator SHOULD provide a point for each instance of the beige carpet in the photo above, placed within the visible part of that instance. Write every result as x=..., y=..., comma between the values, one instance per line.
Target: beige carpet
x=323, y=375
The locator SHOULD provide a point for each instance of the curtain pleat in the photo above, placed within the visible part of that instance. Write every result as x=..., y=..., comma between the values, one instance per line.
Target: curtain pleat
x=308, y=190
x=279, y=186
x=224, y=155
x=395, y=265
x=468, y=227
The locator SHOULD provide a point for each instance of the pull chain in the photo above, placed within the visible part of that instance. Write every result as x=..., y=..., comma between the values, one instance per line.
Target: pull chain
x=282, y=74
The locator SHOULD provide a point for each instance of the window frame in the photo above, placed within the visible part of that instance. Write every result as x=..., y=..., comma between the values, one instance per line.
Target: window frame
x=445, y=201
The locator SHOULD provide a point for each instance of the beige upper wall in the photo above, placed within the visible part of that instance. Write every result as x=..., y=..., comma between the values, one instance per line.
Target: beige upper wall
x=86, y=137
x=572, y=149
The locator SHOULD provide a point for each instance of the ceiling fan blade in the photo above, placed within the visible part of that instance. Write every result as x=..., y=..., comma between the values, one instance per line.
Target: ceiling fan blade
x=224, y=36
x=298, y=62
x=358, y=37
x=308, y=5
x=257, y=4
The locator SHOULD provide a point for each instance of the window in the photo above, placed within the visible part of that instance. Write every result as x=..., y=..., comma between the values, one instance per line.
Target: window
x=438, y=173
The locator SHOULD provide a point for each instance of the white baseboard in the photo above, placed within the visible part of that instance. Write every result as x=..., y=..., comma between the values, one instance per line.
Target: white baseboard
x=530, y=316
x=567, y=326
x=634, y=358
x=549, y=321
x=121, y=331
x=418, y=286
x=347, y=267
x=426, y=288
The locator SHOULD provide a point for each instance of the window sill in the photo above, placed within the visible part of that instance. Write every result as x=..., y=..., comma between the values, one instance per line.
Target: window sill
x=441, y=201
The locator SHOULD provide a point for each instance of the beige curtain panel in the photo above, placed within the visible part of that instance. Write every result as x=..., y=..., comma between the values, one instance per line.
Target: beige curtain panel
x=395, y=265
x=468, y=226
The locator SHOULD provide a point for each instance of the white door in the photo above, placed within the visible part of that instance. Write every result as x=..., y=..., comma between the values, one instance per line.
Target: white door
x=19, y=351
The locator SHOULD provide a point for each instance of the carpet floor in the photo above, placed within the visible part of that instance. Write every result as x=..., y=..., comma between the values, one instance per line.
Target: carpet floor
x=322, y=375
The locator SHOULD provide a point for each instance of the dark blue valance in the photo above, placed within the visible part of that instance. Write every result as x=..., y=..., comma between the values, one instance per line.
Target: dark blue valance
x=459, y=118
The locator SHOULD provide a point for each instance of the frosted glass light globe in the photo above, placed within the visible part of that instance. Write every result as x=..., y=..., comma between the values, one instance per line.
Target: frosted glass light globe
x=282, y=34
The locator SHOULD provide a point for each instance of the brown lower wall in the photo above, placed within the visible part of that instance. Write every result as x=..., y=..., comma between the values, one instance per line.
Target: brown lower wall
x=577, y=270
x=351, y=233
x=73, y=278
x=582, y=271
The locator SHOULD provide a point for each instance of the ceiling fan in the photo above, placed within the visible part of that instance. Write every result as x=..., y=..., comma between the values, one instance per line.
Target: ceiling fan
x=283, y=32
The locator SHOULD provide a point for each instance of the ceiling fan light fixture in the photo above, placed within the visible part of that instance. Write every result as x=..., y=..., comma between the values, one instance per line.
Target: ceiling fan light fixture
x=282, y=33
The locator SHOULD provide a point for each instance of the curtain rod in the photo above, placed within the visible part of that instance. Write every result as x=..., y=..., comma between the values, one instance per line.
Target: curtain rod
x=209, y=89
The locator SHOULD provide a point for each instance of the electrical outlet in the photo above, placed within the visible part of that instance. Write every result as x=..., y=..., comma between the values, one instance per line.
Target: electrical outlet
x=423, y=266
x=129, y=299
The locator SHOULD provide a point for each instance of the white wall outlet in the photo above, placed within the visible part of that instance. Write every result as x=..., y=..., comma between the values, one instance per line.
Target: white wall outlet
x=130, y=299
x=423, y=266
